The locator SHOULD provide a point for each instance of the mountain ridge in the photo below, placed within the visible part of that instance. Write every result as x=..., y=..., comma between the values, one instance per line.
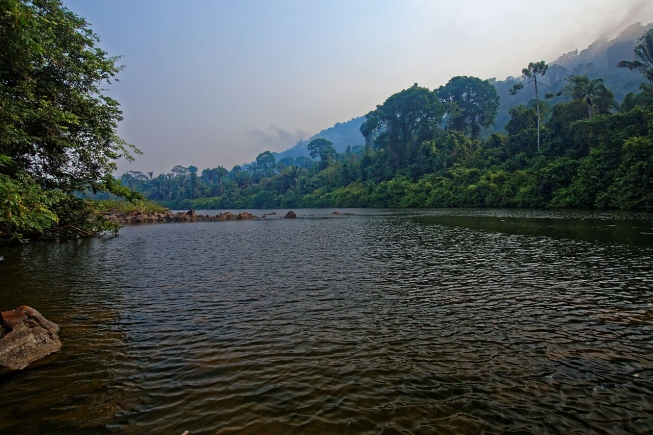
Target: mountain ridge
x=598, y=60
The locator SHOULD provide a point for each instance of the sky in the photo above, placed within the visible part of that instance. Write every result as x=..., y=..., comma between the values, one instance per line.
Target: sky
x=216, y=82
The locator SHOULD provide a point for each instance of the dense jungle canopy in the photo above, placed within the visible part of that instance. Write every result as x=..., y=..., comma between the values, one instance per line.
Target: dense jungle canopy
x=566, y=142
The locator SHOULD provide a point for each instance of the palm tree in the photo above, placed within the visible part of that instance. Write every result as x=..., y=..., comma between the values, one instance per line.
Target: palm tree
x=643, y=58
x=593, y=92
x=290, y=177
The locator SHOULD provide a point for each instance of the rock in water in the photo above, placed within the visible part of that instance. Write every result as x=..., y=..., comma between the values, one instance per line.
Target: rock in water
x=290, y=214
x=26, y=337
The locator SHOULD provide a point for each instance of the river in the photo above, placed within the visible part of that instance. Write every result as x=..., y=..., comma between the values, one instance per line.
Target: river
x=382, y=321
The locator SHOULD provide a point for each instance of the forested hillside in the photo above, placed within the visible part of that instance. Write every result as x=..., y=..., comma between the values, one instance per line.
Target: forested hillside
x=599, y=60
x=342, y=134
x=567, y=141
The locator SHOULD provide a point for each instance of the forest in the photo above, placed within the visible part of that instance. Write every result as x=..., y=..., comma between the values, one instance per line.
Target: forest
x=565, y=141
x=577, y=133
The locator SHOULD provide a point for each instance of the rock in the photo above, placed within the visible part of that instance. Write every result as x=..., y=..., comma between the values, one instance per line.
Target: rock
x=228, y=216
x=26, y=337
x=245, y=215
x=135, y=217
x=290, y=214
x=337, y=213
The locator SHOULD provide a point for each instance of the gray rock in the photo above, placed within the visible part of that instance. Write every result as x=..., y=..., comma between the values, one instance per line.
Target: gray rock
x=26, y=337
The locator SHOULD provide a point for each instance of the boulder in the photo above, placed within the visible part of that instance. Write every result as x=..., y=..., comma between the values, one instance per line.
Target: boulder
x=245, y=215
x=290, y=214
x=26, y=336
x=228, y=216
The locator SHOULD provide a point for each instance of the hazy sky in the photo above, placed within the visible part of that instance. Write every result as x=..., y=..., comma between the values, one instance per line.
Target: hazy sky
x=210, y=82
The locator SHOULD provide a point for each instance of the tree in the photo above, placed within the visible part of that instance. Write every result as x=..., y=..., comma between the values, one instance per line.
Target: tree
x=290, y=177
x=266, y=161
x=521, y=129
x=592, y=92
x=243, y=179
x=402, y=122
x=133, y=178
x=220, y=173
x=24, y=205
x=473, y=104
x=530, y=75
x=633, y=184
x=322, y=148
x=57, y=129
x=643, y=58
x=55, y=123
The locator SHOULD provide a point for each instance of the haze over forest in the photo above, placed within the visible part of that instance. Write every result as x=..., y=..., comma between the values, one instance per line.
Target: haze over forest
x=208, y=83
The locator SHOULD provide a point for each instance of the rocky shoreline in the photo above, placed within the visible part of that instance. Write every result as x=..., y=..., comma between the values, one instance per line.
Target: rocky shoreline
x=137, y=217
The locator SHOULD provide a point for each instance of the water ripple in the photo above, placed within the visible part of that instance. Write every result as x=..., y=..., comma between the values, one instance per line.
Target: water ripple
x=383, y=322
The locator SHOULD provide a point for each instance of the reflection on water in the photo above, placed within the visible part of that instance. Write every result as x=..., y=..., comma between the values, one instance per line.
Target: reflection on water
x=383, y=322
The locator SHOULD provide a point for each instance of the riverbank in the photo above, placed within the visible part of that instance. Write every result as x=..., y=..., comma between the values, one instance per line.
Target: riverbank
x=140, y=217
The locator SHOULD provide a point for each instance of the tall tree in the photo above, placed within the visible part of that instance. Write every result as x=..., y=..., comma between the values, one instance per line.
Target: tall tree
x=472, y=104
x=322, y=148
x=402, y=122
x=266, y=161
x=57, y=129
x=593, y=92
x=643, y=58
x=55, y=123
x=530, y=75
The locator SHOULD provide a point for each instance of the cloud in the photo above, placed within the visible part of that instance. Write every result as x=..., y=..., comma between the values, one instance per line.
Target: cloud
x=276, y=138
x=631, y=15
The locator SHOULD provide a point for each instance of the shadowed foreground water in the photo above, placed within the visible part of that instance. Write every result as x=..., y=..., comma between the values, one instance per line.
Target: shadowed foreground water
x=382, y=322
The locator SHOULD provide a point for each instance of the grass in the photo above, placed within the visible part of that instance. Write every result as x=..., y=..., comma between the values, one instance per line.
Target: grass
x=145, y=207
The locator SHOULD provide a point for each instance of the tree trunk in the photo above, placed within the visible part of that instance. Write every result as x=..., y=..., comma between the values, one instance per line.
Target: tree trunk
x=537, y=103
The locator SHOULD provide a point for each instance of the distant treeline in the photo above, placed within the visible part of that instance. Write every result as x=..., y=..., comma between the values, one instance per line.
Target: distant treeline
x=568, y=145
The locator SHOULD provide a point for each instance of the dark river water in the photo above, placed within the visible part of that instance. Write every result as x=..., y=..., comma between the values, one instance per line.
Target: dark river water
x=410, y=321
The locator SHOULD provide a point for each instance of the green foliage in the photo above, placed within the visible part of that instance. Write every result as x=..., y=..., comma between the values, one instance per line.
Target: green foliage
x=141, y=206
x=77, y=218
x=25, y=207
x=471, y=104
x=643, y=58
x=593, y=93
x=57, y=129
x=56, y=125
x=531, y=74
x=402, y=122
x=323, y=149
x=591, y=156
x=633, y=185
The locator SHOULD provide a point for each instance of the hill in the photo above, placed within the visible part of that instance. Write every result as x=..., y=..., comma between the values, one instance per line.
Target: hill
x=599, y=60
x=342, y=134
